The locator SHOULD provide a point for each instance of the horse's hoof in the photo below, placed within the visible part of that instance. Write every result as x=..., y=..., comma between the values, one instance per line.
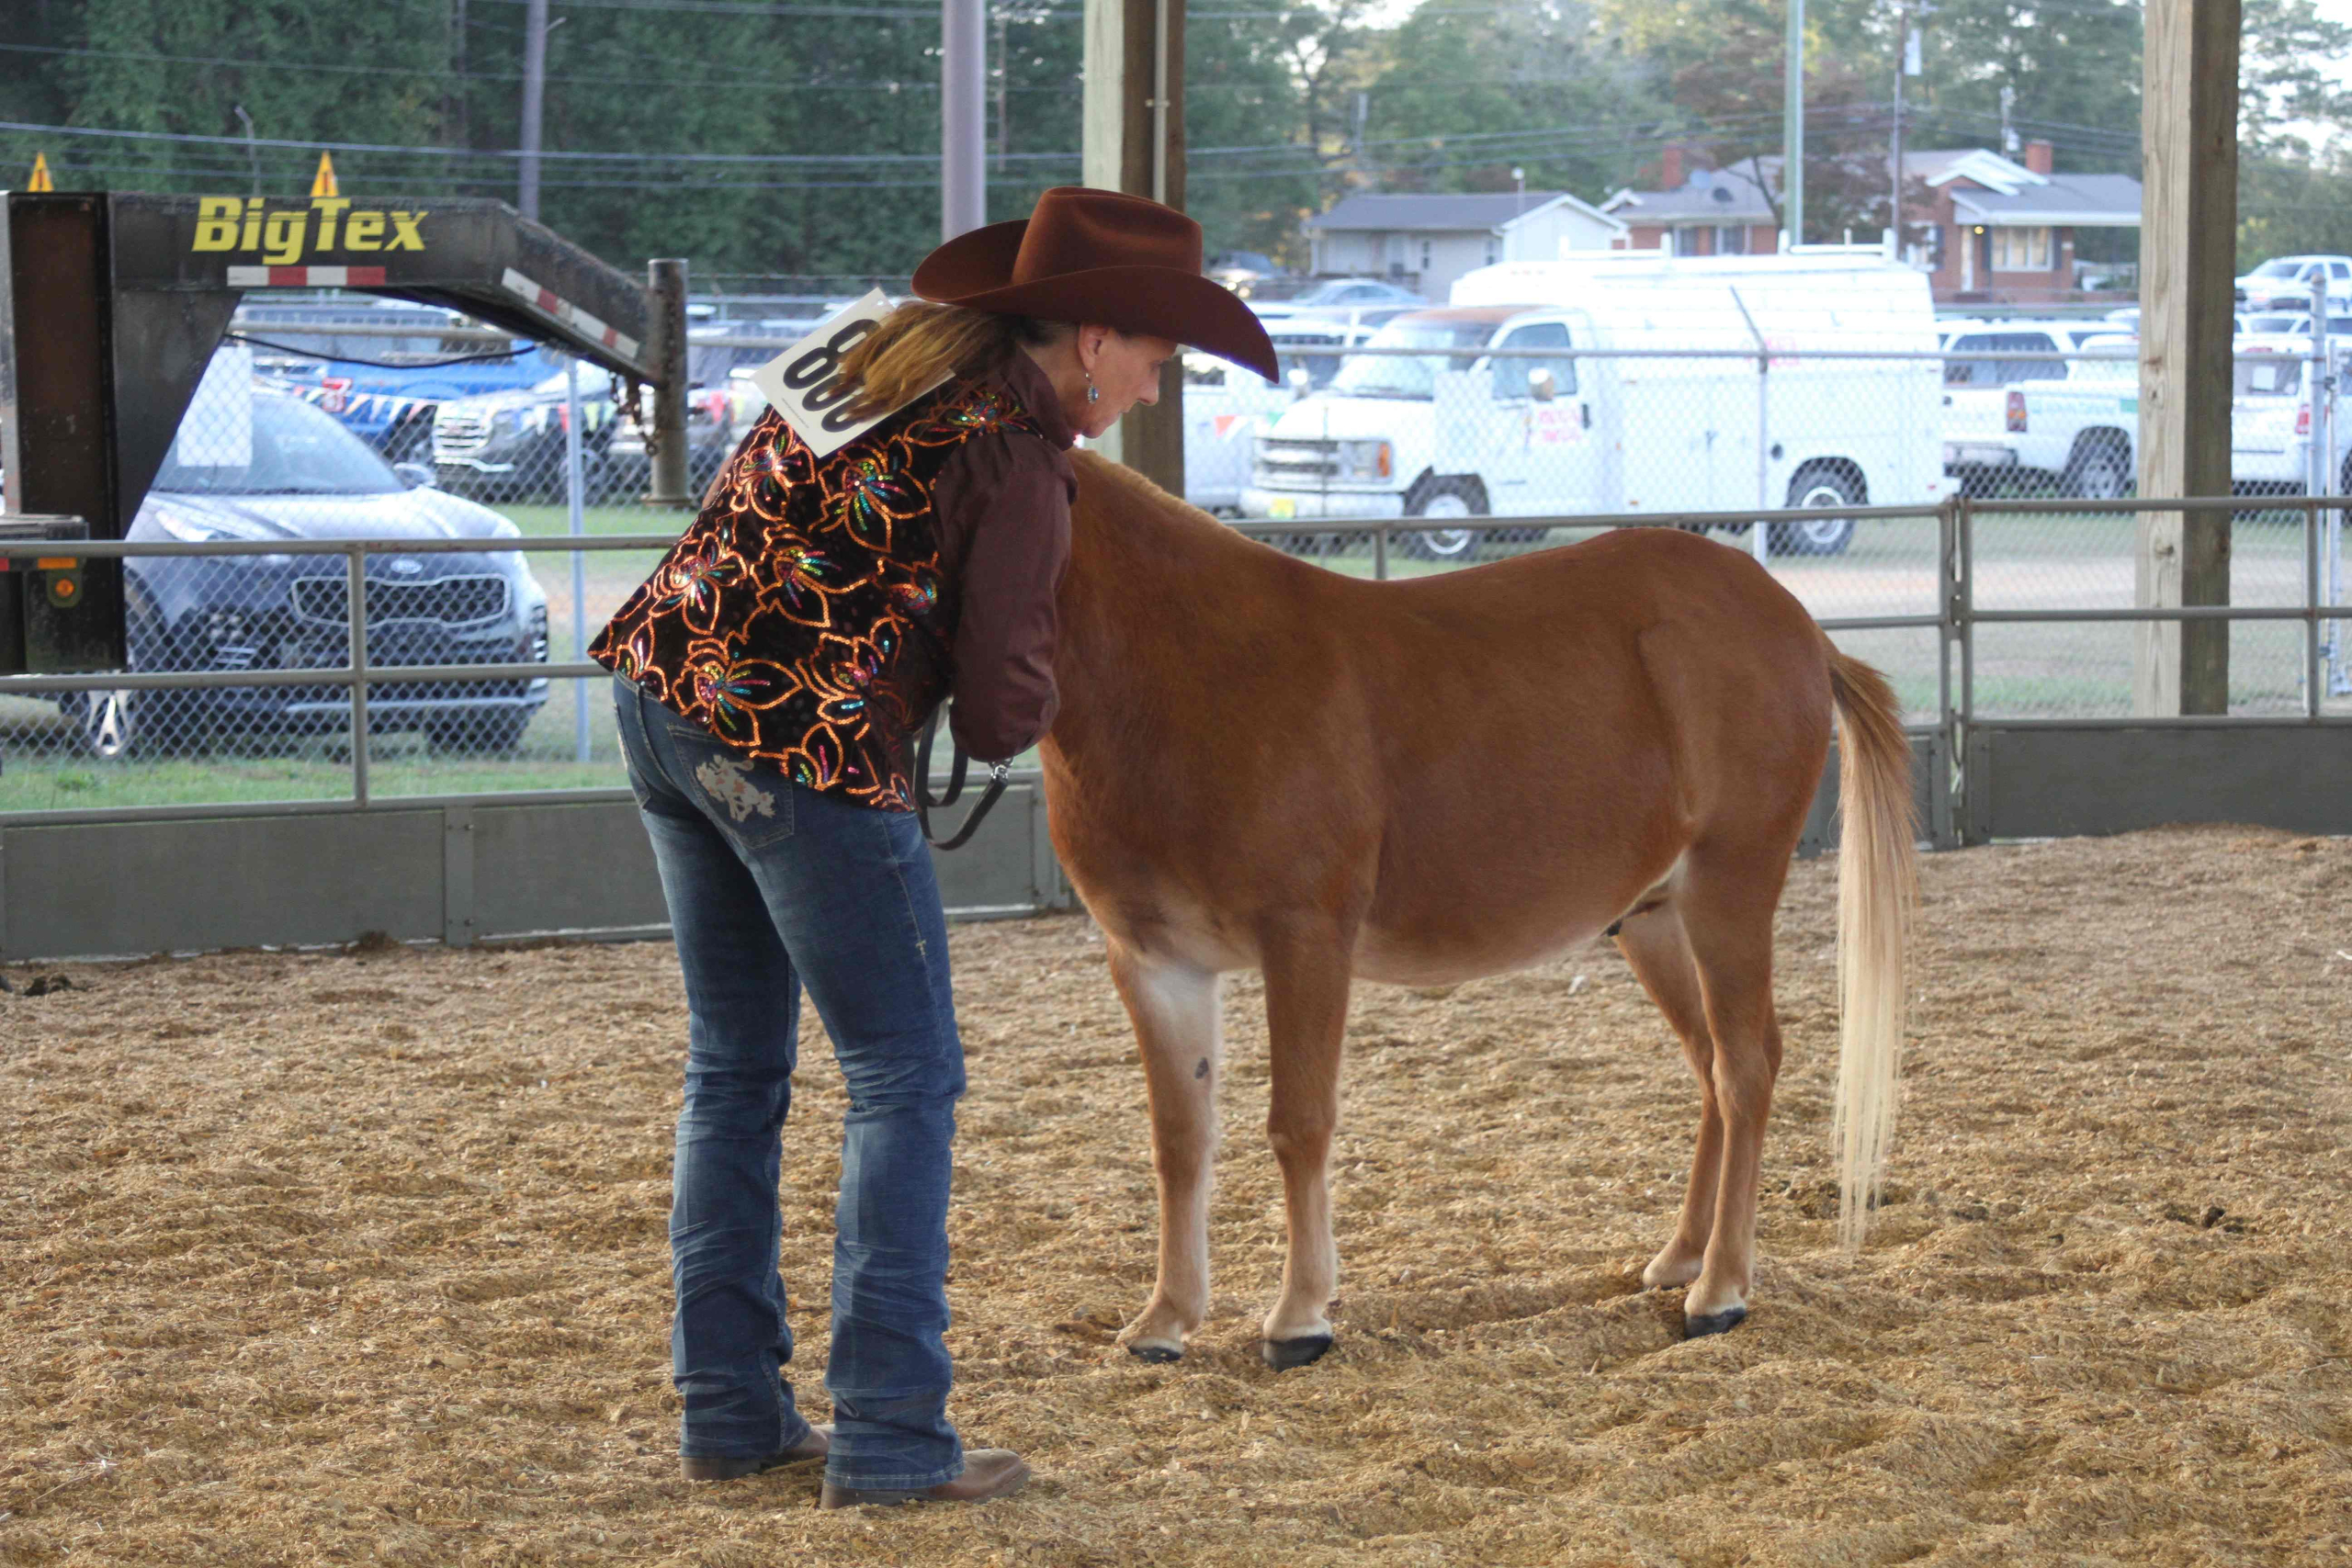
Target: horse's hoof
x=1157, y=1355
x=1699, y=1325
x=1283, y=1354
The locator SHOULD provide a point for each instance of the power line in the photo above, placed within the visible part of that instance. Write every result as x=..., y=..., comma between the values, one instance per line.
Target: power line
x=769, y=86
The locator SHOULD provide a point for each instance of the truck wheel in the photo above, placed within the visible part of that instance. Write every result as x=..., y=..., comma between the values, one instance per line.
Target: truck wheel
x=1446, y=499
x=2099, y=473
x=411, y=441
x=1818, y=489
x=119, y=725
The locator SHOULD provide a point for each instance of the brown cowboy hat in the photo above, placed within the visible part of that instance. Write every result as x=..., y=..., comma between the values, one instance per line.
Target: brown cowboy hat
x=1098, y=255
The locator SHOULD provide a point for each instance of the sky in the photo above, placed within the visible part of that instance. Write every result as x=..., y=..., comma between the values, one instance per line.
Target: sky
x=2339, y=11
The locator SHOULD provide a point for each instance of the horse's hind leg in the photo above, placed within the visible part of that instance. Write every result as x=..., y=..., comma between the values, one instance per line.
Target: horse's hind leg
x=1179, y=1029
x=1306, y=1016
x=1727, y=904
x=1653, y=942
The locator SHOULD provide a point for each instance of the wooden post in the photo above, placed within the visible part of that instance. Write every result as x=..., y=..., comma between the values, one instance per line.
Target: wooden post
x=2188, y=262
x=1134, y=117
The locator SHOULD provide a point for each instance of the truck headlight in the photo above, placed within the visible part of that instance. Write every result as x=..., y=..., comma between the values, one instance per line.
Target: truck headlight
x=1364, y=459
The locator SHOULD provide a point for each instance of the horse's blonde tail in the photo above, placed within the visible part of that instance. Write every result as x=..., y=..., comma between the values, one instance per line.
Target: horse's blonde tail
x=1877, y=886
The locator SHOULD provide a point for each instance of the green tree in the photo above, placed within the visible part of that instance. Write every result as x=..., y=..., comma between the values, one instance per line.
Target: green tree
x=1462, y=96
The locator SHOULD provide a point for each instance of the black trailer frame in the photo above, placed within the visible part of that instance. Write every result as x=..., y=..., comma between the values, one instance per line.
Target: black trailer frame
x=115, y=301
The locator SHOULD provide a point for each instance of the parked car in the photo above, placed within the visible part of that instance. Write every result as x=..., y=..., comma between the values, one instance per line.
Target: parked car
x=1357, y=300
x=2265, y=323
x=509, y=445
x=2289, y=280
x=304, y=477
x=1244, y=272
x=721, y=406
x=383, y=389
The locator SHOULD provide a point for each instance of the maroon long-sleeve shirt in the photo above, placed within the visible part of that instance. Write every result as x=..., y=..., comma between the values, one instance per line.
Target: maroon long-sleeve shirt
x=1002, y=512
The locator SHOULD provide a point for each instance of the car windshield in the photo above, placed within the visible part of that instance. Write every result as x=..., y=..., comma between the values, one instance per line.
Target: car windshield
x=296, y=450
x=2269, y=376
x=2283, y=267
x=1410, y=376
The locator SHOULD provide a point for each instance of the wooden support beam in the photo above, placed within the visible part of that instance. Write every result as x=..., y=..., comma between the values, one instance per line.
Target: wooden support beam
x=2188, y=264
x=1133, y=140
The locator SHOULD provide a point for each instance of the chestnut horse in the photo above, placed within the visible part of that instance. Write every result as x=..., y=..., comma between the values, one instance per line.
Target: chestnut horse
x=1260, y=764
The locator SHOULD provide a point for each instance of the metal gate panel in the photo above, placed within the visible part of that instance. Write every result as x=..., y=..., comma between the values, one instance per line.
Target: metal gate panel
x=998, y=872
x=112, y=888
x=453, y=871
x=1930, y=798
x=550, y=868
x=2052, y=780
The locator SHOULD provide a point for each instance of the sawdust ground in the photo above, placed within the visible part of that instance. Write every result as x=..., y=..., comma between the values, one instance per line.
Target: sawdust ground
x=359, y=1258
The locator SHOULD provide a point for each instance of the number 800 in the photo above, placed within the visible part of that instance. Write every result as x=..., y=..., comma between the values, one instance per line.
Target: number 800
x=816, y=376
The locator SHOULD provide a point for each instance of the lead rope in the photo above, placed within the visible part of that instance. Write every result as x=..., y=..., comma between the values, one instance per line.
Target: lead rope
x=925, y=802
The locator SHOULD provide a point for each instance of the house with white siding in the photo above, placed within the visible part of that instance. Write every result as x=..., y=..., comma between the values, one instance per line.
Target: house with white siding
x=1425, y=241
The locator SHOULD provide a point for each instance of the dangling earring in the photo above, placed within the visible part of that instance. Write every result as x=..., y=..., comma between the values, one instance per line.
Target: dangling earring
x=1093, y=392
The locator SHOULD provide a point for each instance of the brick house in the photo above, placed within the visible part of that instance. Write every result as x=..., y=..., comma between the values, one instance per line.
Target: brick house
x=1992, y=231
x=2003, y=233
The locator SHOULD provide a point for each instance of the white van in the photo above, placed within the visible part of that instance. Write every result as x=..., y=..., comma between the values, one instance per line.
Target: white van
x=1459, y=433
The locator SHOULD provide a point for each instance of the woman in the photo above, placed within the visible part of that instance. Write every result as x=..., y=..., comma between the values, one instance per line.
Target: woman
x=772, y=675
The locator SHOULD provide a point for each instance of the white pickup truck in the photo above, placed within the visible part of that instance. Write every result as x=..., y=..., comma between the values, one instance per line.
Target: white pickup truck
x=2272, y=425
x=2049, y=422
x=1627, y=382
x=2087, y=427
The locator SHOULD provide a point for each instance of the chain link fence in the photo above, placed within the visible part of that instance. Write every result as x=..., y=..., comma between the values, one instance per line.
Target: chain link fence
x=1497, y=426
x=495, y=529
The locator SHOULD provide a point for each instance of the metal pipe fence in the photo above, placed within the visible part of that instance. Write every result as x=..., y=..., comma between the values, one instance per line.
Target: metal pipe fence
x=373, y=694
x=309, y=634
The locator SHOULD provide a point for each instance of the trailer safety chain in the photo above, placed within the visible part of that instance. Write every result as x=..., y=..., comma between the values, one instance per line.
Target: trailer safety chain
x=628, y=392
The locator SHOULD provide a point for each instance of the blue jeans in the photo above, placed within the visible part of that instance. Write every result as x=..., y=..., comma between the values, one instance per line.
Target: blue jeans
x=771, y=886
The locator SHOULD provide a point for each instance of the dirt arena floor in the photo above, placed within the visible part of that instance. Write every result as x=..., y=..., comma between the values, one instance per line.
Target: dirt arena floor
x=358, y=1257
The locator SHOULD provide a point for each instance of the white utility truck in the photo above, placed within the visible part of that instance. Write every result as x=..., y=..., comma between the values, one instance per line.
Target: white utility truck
x=1628, y=381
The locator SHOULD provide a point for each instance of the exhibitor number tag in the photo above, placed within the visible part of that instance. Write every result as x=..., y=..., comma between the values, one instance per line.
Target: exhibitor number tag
x=805, y=381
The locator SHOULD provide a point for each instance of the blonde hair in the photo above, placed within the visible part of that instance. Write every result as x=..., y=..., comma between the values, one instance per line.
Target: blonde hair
x=919, y=341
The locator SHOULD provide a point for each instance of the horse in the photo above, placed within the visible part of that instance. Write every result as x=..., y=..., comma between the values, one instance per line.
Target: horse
x=1260, y=764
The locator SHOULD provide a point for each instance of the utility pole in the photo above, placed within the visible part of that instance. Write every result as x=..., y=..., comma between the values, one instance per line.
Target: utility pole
x=1906, y=63
x=1004, y=98
x=963, y=122
x=453, y=102
x=1363, y=159
x=2008, y=137
x=1792, y=130
x=252, y=153
x=535, y=92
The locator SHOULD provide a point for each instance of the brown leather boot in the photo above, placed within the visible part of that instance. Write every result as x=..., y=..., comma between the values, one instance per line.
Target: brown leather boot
x=988, y=1473
x=727, y=1467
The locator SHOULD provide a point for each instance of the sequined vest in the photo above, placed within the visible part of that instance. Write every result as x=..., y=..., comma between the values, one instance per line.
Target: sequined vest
x=798, y=617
